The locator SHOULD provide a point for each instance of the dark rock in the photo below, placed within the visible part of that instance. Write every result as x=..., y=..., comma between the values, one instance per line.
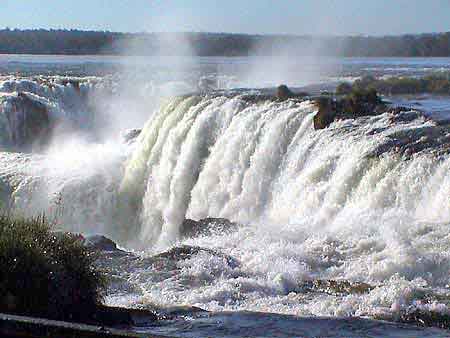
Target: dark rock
x=404, y=114
x=130, y=136
x=344, y=88
x=116, y=316
x=326, y=114
x=29, y=122
x=283, y=92
x=358, y=103
x=180, y=252
x=434, y=139
x=99, y=242
x=426, y=318
x=191, y=228
x=257, y=98
x=336, y=287
x=280, y=94
x=185, y=252
x=178, y=311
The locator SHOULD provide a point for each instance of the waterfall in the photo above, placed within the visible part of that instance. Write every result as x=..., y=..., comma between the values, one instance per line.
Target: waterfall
x=31, y=108
x=257, y=163
x=263, y=163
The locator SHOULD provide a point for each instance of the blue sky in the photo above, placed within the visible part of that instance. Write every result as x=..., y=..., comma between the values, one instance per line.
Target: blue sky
x=336, y=17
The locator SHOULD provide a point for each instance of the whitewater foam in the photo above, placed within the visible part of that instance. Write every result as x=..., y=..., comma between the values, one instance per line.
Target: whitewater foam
x=364, y=200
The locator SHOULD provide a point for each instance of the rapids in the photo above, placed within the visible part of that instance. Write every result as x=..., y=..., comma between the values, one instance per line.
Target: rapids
x=363, y=201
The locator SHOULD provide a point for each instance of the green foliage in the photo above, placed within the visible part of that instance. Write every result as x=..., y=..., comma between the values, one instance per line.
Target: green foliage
x=58, y=41
x=434, y=84
x=46, y=274
x=359, y=100
x=344, y=88
x=324, y=103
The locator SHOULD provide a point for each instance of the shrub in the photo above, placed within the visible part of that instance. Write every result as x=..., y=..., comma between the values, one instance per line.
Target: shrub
x=344, y=88
x=46, y=274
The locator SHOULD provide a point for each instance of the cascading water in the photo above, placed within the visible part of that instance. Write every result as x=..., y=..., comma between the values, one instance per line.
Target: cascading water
x=264, y=164
x=33, y=106
x=66, y=181
x=365, y=200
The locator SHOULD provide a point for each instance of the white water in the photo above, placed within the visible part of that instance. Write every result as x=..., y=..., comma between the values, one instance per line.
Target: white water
x=311, y=204
x=264, y=164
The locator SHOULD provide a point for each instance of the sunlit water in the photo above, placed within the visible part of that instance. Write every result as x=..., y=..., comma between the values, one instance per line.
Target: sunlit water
x=363, y=201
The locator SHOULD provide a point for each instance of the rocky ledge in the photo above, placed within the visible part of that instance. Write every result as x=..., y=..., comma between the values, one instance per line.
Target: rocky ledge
x=353, y=105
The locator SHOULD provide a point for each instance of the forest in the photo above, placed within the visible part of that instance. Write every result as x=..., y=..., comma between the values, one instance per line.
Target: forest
x=78, y=42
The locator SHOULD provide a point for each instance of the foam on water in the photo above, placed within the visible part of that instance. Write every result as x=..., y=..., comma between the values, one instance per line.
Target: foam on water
x=352, y=202
x=313, y=204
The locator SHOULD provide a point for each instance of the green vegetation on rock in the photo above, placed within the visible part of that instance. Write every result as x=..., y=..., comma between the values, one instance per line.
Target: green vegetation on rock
x=433, y=84
x=357, y=102
x=46, y=274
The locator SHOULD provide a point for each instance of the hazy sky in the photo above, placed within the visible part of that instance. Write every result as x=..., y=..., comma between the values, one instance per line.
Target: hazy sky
x=341, y=17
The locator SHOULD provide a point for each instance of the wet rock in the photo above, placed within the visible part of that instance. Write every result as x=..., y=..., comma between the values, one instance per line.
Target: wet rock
x=29, y=122
x=336, y=287
x=129, y=136
x=419, y=317
x=257, y=98
x=344, y=88
x=427, y=319
x=283, y=92
x=356, y=104
x=116, y=316
x=178, y=311
x=121, y=285
x=404, y=114
x=326, y=113
x=99, y=242
x=435, y=139
x=185, y=252
x=192, y=228
x=280, y=93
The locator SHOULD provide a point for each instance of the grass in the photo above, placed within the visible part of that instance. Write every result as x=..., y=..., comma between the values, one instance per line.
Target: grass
x=46, y=274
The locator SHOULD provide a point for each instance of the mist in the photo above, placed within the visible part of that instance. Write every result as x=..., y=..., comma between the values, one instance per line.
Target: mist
x=304, y=62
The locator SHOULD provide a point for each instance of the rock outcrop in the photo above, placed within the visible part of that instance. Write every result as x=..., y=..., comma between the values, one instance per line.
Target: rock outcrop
x=283, y=92
x=129, y=136
x=354, y=105
x=99, y=242
x=326, y=114
x=192, y=228
x=29, y=125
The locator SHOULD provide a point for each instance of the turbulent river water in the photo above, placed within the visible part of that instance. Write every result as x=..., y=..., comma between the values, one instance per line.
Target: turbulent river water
x=333, y=229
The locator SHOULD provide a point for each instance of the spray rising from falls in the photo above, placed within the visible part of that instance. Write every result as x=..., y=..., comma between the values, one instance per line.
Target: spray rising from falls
x=364, y=200
x=263, y=163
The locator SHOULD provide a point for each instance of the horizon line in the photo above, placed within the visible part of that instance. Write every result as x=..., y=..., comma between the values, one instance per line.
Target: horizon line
x=222, y=33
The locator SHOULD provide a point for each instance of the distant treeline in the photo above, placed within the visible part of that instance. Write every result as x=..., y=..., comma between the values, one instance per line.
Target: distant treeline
x=78, y=42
